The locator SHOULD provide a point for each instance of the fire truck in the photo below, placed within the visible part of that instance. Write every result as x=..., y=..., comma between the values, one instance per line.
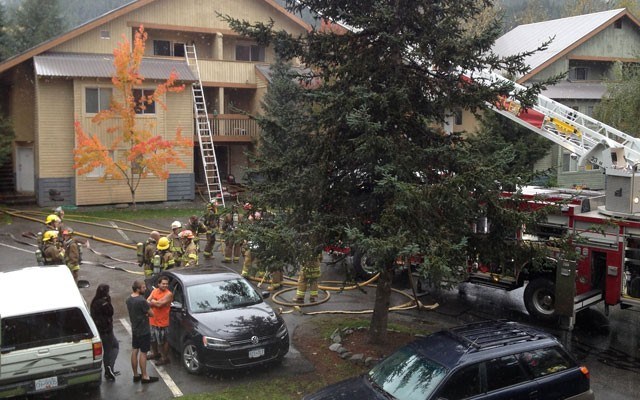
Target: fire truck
x=605, y=224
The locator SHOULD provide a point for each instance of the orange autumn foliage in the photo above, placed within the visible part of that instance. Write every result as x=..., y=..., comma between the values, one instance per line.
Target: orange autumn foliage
x=131, y=151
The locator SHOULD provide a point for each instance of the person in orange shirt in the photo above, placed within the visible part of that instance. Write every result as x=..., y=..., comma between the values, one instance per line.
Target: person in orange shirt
x=160, y=301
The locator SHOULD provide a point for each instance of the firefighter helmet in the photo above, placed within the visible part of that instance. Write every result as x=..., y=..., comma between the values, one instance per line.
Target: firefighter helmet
x=247, y=206
x=176, y=225
x=67, y=232
x=48, y=235
x=52, y=218
x=186, y=234
x=163, y=243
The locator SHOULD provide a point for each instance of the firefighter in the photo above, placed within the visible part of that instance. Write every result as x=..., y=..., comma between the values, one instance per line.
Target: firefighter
x=146, y=251
x=232, y=238
x=175, y=244
x=308, y=278
x=72, y=252
x=196, y=226
x=52, y=252
x=163, y=258
x=251, y=264
x=190, y=250
x=211, y=222
x=59, y=212
x=52, y=223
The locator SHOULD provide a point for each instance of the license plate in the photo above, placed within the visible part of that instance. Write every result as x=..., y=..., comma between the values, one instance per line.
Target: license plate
x=255, y=353
x=46, y=383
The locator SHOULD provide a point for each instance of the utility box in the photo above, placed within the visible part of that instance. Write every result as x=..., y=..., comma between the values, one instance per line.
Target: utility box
x=622, y=191
x=565, y=288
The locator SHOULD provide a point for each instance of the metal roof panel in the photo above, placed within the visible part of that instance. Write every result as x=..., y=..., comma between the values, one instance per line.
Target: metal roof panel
x=101, y=66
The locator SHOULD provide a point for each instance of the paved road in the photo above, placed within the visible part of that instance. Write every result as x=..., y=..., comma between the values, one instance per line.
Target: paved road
x=612, y=355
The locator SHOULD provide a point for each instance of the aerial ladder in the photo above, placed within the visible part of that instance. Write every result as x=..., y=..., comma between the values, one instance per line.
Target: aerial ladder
x=590, y=140
x=203, y=128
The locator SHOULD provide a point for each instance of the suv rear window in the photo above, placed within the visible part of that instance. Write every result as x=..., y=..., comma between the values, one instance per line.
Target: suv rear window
x=42, y=329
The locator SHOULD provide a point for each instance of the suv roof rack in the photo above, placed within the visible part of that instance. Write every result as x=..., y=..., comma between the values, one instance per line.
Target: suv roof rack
x=491, y=334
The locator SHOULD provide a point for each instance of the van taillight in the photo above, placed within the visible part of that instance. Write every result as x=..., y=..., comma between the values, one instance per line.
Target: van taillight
x=97, y=350
x=585, y=371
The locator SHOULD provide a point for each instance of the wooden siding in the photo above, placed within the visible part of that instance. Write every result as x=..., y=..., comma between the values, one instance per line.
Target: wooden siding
x=55, y=129
x=90, y=191
x=22, y=97
x=612, y=42
x=53, y=192
x=90, y=42
x=238, y=72
x=179, y=115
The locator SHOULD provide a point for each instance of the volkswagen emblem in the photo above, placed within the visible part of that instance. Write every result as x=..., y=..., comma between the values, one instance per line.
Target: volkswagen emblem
x=254, y=339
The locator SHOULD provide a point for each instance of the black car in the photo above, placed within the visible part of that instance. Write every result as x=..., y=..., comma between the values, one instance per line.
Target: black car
x=484, y=360
x=219, y=320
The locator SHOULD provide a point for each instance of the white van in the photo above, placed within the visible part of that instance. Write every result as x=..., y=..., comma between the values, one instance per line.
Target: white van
x=48, y=340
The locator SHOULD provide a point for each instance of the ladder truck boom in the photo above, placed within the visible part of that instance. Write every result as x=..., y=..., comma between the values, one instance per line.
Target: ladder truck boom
x=591, y=140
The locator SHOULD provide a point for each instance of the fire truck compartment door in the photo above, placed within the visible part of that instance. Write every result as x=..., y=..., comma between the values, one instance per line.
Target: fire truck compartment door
x=565, y=288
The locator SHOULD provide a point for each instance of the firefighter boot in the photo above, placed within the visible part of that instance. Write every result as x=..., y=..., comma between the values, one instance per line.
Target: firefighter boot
x=276, y=281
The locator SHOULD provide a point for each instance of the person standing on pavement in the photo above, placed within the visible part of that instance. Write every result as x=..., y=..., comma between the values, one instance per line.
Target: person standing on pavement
x=232, y=238
x=308, y=279
x=102, y=314
x=148, y=251
x=160, y=301
x=52, y=251
x=189, y=249
x=72, y=253
x=139, y=313
x=196, y=226
x=211, y=221
x=175, y=244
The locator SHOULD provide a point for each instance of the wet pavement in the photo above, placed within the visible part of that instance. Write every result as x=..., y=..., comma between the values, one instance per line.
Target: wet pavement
x=609, y=347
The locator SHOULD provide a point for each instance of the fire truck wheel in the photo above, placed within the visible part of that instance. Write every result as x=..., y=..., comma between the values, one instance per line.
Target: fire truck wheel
x=363, y=265
x=539, y=299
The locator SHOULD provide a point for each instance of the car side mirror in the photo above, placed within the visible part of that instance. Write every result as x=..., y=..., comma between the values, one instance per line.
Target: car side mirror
x=176, y=305
x=266, y=294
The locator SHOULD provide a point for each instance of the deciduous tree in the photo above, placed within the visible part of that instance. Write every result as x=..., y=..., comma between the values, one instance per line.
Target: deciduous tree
x=361, y=155
x=133, y=152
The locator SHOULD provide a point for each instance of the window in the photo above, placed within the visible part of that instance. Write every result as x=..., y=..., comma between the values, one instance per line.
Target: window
x=547, y=361
x=457, y=117
x=43, y=329
x=97, y=99
x=178, y=49
x=104, y=34
x=580, y=73
x=618, y=24
x=161, y=48
x=504, y=372
x=99, y=172
x=464, y=383
x=246, y=52
x=143, y=106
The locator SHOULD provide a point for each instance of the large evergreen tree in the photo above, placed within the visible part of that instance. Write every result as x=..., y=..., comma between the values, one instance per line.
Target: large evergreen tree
x=360, y=154
x=34, y=22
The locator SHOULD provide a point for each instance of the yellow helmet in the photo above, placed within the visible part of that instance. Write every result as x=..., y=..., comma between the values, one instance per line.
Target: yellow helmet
x=163, y=243
x=48, y=235
x=52, y=218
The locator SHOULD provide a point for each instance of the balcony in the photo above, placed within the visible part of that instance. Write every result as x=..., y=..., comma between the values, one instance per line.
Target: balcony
x=233, y=128
x=221, y=71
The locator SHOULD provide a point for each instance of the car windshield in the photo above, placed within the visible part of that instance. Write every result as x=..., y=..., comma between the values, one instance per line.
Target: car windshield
x=407, y=376
x=221, y=295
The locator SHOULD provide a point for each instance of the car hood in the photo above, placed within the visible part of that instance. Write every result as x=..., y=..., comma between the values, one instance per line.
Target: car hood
x=255, y=320
x=352, y=388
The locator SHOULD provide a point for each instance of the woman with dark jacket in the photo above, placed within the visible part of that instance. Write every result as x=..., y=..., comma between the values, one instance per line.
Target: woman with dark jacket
x=102, y=314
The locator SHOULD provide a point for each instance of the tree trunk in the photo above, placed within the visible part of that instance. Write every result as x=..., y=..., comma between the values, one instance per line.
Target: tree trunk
x=380, y=317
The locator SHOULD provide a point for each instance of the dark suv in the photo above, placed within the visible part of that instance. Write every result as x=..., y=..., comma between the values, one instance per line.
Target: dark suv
x=484, y=360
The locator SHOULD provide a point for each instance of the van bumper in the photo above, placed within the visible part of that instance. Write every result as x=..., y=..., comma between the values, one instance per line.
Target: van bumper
x=65, y=380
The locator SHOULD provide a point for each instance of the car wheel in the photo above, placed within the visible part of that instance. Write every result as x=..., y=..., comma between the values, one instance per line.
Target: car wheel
x=190, y=358
x=539, y=299
x=363, y=265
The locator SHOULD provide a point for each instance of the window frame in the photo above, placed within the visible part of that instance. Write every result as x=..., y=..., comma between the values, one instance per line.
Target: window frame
x=99, y=98
x=256, y=53
x=164, y=42
x=149, y=109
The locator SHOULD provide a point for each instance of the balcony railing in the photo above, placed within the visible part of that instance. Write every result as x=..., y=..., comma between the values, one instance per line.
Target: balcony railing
x=227, y=71
x=233, y=125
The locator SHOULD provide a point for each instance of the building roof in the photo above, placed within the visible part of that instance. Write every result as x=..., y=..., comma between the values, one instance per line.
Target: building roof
x=108, y=17
x=82, y=65
x=567, y=34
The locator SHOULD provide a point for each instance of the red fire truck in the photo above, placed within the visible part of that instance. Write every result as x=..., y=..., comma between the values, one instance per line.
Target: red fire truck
x=604, y=225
